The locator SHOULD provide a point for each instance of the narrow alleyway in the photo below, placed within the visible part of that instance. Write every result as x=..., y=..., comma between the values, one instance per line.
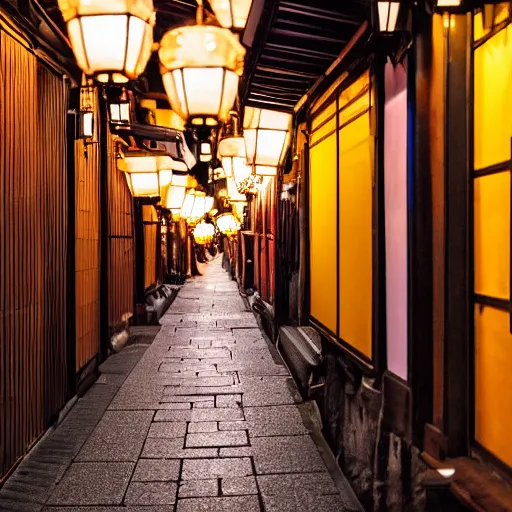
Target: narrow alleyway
x=208, y=419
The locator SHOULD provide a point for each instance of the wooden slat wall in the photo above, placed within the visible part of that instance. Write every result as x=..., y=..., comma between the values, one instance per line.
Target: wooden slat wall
x=33, y=227
x=121, y=254
x=87, y=261
x=150, y=247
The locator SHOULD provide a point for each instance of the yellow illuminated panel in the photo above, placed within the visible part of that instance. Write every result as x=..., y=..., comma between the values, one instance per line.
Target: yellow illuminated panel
x=329, y=111
x=354, y=109
x=355, y=235
x=328, y=128
x=493, y=381
x=493, y=107
x=323, y=232
x=500, y=12
x=347, y=95
x=492, y=235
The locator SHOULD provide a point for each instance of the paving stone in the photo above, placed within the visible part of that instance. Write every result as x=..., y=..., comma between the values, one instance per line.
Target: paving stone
x=173, y=415
x=151, y=493
x=187, y=390
x=170, y=429
x=216, y=414
x=204, y=405
x=226, y=438
x=173, y=449
x=229, y=401
x=228, y=504
x=176, y=406
x=223, y=380
x=181, y=367
x=199, y=469
x=156, y=470
x=295, y=454
x=159, y=508
x=194, y=353
x=198, y=488
x=237, y=451
x=93, y=483
x=239, y=486
x=281, y=420
x=233, y=425
x=193, y=399
x=309, y=492
x=259, y=391
x=202, y=426
x=119, y=436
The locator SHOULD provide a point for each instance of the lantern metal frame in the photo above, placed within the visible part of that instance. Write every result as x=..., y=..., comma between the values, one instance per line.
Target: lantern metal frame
x=118, y=76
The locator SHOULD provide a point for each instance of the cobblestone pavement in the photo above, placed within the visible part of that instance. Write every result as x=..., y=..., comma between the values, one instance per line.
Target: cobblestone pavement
x=208, y=420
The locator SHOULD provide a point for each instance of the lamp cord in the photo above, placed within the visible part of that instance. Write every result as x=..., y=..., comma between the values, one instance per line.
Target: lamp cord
x=200, y=12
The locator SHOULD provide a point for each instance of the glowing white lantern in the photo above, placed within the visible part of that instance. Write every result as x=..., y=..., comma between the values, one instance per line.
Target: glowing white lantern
x=203, y=233
x=227, y=224
x=388, y=15
x=202, y=65
x=148, y=174
x=111, y=39
x=232, y=14
x=267, y=135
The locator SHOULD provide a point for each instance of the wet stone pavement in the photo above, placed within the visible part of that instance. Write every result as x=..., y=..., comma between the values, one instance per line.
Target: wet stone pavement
x=207, y=420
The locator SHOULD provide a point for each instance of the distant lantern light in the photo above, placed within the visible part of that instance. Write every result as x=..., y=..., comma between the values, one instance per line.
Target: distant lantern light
x=388, y=15
x=202, y=66
x=232, y=14
x=233, y=195
x=176, y=192
x=148, y=174
x=231, y=153
x=120, y=110
x=188, y=204
x=204, y=233
x=448, y=3
x=267, y=135
x=227, y=224
x=111, y=39
x=86, y=124
x=205, y=152
x=265, y=170
x=86, y=119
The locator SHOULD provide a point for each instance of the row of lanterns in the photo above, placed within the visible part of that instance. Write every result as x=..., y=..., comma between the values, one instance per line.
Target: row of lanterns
x=201, y=64
x=226, y=223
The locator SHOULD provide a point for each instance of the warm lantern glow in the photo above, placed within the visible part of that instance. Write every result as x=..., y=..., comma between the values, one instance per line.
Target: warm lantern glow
x=176, y=192
x=233, y=194
x=111, y=39
x=204, y=233
x=205, y=153
x=448, y=3
x=202, y=65
x=120, y=110
x=388, y=15
x=87, y=124
x=227, y=224
x=148, y=174
x=232, y=13
x=265, y=170
x=267, y=136
x=188, y=205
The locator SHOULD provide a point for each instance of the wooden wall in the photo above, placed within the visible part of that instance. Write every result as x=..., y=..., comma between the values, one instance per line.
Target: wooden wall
x=121, y=250
x=87, y=248
x=33, y=229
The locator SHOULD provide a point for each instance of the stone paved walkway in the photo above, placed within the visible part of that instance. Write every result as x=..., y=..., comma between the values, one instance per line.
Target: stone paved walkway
x=206, y=421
